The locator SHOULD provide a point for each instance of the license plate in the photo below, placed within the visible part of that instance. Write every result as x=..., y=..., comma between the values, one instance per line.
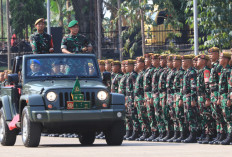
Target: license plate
x=78, y=105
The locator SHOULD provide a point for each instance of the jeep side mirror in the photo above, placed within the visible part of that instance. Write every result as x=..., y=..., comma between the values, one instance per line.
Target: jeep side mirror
x=13, y=79
x=106, y=77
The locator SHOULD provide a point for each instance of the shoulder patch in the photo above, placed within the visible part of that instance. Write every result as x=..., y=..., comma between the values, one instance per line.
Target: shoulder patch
x=206, y=75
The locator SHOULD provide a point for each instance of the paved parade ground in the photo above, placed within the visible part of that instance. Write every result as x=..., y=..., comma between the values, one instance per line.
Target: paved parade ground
x=68, y=147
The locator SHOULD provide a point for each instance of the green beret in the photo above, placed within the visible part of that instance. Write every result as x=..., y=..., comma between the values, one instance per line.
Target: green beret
x=39, y=20
x=108, y=61
x=187, y=57
x=130, y=61
x=72, y=23
x=203, y=57
x=155, y=56
x=177, y=57
x=116, y=63
x=226, y=55
x=101, y=62
x=140, y=59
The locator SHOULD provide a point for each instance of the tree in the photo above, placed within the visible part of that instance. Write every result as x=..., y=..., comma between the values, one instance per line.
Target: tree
x=24, y=13
x=215, y=21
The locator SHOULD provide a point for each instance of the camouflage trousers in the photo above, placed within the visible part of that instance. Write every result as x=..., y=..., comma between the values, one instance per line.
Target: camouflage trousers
x=207, y=122
x=227, y=112
x=128, y=117
x=158, y=113
x=165, y=108
x=142, y=115
x=217, y=114
x=190, y=113
x=150, y=111
x=133, y=123
x=179, y=121
x=170, y=116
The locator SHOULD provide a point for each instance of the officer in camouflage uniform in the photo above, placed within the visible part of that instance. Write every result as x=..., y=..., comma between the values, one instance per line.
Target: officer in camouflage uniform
x=101, y=64
x=188, y=97
x=132, y=110
x=203, y=91
x=216, y=109
x=75, y=42
x=166, y=97
x=151, y=113
x=156, y=97
x=40, y=41
x=224, y=99
x=116, y=69
x=179, y=122
x=139, y=100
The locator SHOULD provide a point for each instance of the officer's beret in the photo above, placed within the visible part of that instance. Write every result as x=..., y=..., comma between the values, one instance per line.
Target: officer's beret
x=187, y=57
x=177, y=57
x=34, y=61
x=140, y=59
x=72, y=23
x=226, y=55
x=203, y=57
x=101, y=62
x=213, y=49
x=130, y=61
x=116, y=62
x=108, y=61
x=155, y=56
x=163, y=56
x=39, y=20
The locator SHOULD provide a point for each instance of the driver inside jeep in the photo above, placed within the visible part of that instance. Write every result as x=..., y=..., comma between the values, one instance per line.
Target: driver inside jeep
x=56, y=68
x=35, y=68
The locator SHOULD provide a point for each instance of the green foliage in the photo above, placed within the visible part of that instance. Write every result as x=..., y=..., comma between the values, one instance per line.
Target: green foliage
x=215, y=22
x=24, y=13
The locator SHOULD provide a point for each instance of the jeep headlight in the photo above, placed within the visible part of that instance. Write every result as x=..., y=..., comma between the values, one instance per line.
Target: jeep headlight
x=51, y=96
x=102, y=95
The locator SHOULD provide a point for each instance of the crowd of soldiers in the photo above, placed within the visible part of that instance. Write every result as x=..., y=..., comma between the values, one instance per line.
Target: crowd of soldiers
x=173, y=98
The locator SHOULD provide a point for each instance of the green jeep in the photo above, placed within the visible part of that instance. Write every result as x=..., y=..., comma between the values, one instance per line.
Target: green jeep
x=59, y=93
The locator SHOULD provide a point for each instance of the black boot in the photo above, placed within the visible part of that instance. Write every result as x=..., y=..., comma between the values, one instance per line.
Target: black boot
x=144, y=136
x=218, y=136
x=227, y=140
x=201, y=138
x=168, y=136
x=221, y=138
x=128, y=134
x=161, y=135
x=154, y=135
x=191, y=138
x=134, y=136
x=207, y=139
x=176, y=135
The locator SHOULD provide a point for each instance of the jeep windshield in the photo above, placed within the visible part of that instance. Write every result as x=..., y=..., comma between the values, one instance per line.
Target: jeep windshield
x=61, y=67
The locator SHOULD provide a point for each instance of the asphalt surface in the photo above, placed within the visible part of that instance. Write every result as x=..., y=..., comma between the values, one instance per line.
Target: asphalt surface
x=70, y=147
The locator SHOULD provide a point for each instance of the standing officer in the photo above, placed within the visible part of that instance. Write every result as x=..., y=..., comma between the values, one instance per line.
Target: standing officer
x=75, y=42
x=139, y=100
x=203, y=92
x=224, y=99
x=40, y=41
x=189, y=97
x=116, y=69
x=132, y=110
x=156, y=97
x=122, y=83
x=165, y=94
x=180, y=123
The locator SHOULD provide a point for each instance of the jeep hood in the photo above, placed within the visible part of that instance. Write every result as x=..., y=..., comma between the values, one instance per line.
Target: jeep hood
x=35, y=87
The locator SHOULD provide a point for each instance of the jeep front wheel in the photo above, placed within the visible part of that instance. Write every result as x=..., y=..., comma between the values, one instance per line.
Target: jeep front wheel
x=7, y=137
x=87, y=138
x=31, y=131
x=114, y=135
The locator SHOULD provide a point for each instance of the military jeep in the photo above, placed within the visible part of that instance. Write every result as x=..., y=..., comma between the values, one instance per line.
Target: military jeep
x=59, y=93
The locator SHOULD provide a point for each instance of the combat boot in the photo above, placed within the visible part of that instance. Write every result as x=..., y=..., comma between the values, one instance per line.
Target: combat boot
x=134, y=136
x=227, y=140
x=143, y=137
x=176, y=135
x=218, y=136
x=154, y=135
x=128, y=134
x=161, y=135
x=168, y=136
x=220, y=139
x=207, y=139
x=191, y=138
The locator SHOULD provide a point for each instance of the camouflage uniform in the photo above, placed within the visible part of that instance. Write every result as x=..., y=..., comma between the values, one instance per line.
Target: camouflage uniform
x=203, y=91
x=115, y=82
x=74, y=43
x=41, y=43
x=189, y=94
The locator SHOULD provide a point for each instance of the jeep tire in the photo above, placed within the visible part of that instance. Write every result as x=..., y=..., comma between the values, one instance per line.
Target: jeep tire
x=31, y=131
x=114, y=135
x=87, y=138
x=7, y=137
